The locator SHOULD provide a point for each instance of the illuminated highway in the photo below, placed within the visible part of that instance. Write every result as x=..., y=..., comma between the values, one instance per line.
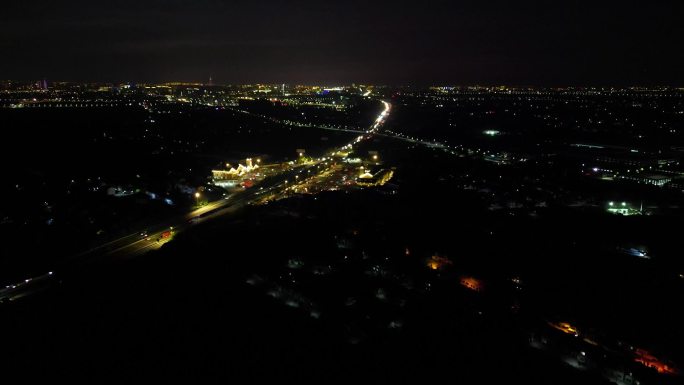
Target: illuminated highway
x=137, y=244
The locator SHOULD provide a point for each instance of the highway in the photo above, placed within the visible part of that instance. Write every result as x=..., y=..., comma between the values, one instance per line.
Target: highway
x=137, y=244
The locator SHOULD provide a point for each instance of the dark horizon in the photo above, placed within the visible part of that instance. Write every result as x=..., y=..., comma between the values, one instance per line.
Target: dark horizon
x=304, y=42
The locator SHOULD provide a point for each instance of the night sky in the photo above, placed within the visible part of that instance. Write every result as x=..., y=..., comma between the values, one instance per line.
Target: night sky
x=339, y=42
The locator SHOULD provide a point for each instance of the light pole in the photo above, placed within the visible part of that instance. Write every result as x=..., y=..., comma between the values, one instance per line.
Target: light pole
x=197, y=196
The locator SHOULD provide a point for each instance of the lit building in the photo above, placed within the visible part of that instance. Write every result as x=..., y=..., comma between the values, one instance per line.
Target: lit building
x=231, y=176
x=649, y=360
x=565, y=327
x=436, y=262
x=472, y=283
x=653, y=179
x=622, y=208
x=381, y=177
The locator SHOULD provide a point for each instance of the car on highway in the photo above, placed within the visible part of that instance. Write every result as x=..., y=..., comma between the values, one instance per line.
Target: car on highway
x=164, y=235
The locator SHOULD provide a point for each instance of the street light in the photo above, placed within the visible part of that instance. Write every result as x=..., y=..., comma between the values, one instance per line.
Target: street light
x=197, y=195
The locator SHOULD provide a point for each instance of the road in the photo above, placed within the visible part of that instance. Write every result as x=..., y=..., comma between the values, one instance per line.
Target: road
x=134, y=245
